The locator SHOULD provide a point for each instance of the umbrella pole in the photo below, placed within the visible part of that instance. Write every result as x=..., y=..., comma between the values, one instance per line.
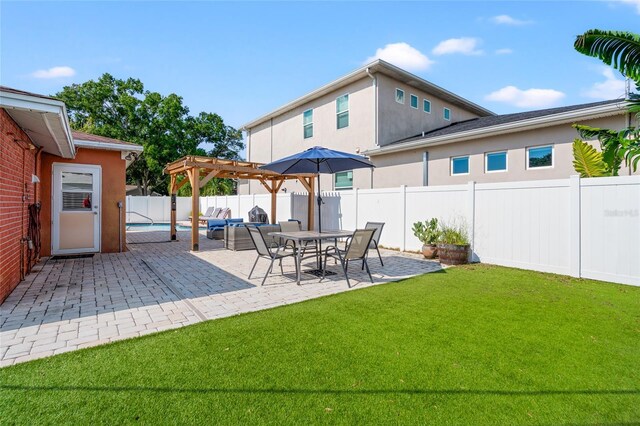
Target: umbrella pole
x=319, y=262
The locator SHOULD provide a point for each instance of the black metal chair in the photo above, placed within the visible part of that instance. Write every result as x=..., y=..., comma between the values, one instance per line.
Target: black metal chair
x=356, y=249
x=376, y=237
x=267, y=252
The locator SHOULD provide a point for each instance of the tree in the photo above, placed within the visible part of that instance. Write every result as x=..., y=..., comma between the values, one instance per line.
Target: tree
x=622, y=51
x=122, y=109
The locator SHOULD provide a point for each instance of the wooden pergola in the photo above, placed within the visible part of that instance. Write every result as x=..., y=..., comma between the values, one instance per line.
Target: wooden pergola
x=200, y=170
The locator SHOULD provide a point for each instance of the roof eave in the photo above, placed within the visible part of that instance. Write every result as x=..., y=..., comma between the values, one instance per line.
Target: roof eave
x=107, y=146
x=529, y=124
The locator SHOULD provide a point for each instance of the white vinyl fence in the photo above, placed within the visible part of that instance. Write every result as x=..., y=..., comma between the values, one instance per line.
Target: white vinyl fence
x=581, y=227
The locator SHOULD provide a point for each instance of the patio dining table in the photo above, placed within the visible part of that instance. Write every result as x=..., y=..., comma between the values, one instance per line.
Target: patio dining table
x=299, y=237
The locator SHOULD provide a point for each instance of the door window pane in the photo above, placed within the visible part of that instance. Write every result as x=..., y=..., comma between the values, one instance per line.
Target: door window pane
x=72, y=181
x=460, y=166
x=77, y=201
x=496, y=161
x=540, y=157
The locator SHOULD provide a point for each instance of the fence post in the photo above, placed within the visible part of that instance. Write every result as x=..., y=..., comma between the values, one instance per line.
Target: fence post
x=471, y=214
x=574, y=226
x=403, y=194
x=355, y=194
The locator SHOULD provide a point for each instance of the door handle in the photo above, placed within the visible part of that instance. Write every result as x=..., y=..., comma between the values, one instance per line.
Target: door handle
x=95, y=212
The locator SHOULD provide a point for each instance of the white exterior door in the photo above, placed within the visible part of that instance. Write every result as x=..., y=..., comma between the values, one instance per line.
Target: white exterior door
x=76, y=209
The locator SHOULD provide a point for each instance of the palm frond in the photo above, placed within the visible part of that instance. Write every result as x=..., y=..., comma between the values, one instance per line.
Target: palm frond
x=587, y=161
x=621, y=49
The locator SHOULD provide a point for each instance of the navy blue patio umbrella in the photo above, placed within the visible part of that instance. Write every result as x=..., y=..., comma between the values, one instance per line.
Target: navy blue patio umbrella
x=318, y=160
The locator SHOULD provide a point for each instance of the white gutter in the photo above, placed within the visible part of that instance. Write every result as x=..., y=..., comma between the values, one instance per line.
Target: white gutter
x=528, y=124
x=108, y=146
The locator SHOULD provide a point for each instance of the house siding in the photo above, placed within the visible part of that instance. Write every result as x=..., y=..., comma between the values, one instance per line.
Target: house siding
x=17, y=165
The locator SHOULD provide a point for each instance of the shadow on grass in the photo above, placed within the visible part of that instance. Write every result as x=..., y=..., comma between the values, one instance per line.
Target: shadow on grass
x=323, y=391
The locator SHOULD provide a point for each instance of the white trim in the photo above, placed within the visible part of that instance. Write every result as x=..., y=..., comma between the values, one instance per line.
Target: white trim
x=342, y=112
x=107, y=146
x=516, y=126
x=411, y=96
x=429, y=102
x=506, y=161
x=444, y=115
x=396, y=95
x=553, y=156
x=455, y=158
x=56, y=200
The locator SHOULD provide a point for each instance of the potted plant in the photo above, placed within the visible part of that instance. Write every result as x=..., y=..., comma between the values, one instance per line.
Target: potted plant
x=428, y=234
x=453, y=244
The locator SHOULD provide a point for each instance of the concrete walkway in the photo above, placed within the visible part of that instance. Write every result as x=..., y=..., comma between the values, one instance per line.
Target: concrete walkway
x=64, y=305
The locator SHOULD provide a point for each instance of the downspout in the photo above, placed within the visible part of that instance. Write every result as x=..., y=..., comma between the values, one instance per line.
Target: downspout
x=375, y=114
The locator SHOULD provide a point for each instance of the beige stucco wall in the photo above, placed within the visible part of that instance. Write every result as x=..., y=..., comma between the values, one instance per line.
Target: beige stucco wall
x=283, y=136
x=406, y=168
x=399, y=121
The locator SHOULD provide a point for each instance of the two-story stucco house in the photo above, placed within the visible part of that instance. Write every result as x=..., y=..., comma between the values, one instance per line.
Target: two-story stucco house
x=417, y=133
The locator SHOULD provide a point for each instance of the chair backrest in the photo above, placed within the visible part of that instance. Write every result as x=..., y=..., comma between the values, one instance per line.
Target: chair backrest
x=378, y=229
x=359, y=244
x=289, y=226
x=223, y=213
x=258, y=240
x=214, y=213
x=209, y=212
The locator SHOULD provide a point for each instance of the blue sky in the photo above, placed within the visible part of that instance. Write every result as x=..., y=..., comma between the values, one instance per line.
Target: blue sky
x=242, y=60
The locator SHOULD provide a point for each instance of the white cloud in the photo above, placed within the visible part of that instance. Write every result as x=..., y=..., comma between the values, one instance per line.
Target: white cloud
x=54, y=72
x=402, y=55
x=504, y=51
x=633, y=3
x=530, y=98
x=508, y=20
x=463, y=45
x=610, y=88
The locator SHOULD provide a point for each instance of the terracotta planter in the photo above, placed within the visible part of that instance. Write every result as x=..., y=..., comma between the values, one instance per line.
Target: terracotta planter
x=429, y=251
x=453, y=254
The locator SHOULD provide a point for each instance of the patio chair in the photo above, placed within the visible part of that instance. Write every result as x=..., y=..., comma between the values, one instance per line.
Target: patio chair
x=356, y=249
x=209, y=214
x=376, y=237
x=294, y=226
x=267, y=252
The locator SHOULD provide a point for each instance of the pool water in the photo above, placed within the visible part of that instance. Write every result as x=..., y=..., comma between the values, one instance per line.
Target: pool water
x=157, y=227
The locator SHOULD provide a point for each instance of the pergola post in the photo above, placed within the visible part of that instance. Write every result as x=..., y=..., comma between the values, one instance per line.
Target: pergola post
x=194, y=175
x=174, y=192
x=311, y=204
x=274, y=201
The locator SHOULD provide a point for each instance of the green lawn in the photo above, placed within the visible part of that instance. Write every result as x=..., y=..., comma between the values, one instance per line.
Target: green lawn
x=472, y=345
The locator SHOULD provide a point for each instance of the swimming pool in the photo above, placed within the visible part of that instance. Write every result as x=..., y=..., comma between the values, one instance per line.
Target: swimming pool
x=157, y=227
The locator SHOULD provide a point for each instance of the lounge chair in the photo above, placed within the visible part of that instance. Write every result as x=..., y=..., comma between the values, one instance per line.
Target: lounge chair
x=356, y=249
x=273, y=253
x=209, y=214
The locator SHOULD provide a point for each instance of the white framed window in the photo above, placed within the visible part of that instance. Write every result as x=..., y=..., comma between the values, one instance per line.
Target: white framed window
x=307, y=123
x=413, y=101
x=400, y=96
x=460, y=165
x=426, y=106
x=446, y=114
x=495, y=162
x=342, y=111
x=540, y=157
x=343, y=180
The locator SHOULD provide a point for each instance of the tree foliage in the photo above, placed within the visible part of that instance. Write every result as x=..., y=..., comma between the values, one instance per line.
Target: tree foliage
x=588, y=161
x=622, y=51
x=123, y=109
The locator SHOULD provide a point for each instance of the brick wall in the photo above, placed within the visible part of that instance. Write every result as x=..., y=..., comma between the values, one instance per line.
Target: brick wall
x=17, y=162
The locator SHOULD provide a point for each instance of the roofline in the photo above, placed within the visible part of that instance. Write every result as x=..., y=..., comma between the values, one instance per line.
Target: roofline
x=378, y=65
x=528, y=124
x=41, y=104
x=107, y=146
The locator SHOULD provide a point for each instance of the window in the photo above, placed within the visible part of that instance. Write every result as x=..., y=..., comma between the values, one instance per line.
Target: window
x=426, y=106
x=307, y=123
x=413, y=101
x=460, y=165
x=342, y=110
x=400, y=96
x=77, y=191
x=446, y=114
x=343, y=180
x=539, y=157
x=495, y=162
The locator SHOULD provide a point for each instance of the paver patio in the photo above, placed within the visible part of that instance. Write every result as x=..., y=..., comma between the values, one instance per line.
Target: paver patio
x=68, y=304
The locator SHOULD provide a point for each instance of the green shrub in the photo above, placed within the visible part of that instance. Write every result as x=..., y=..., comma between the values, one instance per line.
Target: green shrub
x=427, y=232
x=454, y=232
